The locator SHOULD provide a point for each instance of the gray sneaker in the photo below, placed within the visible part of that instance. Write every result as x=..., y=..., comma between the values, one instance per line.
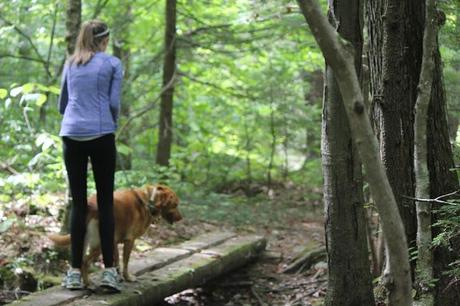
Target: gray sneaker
x=110, y=280
x=72, y=280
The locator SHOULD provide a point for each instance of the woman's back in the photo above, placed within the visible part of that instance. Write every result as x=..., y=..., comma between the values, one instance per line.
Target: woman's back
x=90, y=98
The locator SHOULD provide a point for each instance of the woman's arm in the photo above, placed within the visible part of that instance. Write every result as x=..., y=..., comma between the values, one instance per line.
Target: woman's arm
x=64, y=96
x=115, y=88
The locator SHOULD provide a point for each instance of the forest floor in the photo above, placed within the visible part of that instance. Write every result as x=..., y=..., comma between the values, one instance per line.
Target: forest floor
x=290, y=218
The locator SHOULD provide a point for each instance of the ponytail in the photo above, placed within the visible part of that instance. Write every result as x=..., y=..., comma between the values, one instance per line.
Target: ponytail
x=89, y=41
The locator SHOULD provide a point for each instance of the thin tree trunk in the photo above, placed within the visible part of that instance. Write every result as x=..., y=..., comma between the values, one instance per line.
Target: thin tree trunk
x=72, y=23
x=121, y=50
x=166, y=107
x=342, y=62
x=422, y=190
x=273, y=136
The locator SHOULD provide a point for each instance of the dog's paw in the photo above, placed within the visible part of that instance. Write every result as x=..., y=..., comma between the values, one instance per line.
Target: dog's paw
x=128, y=277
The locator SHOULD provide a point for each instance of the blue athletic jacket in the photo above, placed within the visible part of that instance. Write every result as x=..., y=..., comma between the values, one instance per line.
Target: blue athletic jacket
x=90, y=96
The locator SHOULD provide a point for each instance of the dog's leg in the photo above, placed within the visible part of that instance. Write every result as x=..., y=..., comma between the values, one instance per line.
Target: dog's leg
x=127, y=248
x=116, y=258
x=87, y=260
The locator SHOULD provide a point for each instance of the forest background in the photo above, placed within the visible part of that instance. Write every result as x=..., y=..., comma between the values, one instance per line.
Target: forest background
x=248, y=92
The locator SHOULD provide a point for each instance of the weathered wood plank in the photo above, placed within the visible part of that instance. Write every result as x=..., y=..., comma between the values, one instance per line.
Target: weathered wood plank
x=155, y=259
x=153, y=287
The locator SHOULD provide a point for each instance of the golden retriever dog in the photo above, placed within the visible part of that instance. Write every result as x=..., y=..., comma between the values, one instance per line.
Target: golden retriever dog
x=134, y=210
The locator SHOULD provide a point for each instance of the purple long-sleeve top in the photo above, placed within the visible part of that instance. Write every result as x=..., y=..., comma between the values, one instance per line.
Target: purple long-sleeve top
x=90, y=96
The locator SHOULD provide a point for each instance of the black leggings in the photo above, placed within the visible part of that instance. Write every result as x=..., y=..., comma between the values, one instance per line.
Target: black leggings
x=102, y=153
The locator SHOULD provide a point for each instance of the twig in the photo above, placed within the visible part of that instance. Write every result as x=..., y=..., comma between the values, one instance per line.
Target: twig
x=32, y=59
x=148, y=108
x=231, y=92
x=436, y=200
x=8, y=168
x=29, y=39
x=257, y=296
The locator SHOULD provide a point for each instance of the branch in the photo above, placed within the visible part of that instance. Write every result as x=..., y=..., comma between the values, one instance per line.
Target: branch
x=435, y=200
x=23, y=57
x=53, y=31
x=149, y=107
x=231, y=92
x=27, y=37
x=99, y=7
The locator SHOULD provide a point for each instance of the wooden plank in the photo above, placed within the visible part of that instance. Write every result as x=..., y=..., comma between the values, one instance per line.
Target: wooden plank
x=195, y=270
x=155, y=259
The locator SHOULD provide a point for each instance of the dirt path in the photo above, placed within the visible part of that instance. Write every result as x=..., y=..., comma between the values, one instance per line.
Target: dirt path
x=28, y=260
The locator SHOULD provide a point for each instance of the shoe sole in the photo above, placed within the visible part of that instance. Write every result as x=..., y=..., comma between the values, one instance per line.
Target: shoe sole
x=109, y=288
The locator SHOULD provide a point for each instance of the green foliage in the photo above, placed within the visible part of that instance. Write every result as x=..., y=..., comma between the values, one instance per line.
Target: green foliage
x=241, y=92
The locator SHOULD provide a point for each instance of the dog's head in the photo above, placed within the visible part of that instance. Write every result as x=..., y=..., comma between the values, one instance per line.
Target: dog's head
x=163, y=201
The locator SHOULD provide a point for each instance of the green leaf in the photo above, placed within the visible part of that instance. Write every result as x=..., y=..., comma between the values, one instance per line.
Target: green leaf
x=41, y=99
x=3, y=93
x=27, y=88
x=124, y=149
x=55, y=90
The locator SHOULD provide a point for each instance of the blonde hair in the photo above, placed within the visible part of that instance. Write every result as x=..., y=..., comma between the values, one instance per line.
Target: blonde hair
x=89, y=41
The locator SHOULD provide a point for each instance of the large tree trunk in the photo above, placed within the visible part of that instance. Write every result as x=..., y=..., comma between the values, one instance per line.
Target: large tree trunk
x=121, y=50
x=342, y=63
x=349, y=281
x=442, y=181
x=396, y=86
x=169, y=68
x=394, y=57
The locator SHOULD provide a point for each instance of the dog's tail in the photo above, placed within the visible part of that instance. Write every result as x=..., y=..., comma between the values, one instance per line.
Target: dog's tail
x=60, y=240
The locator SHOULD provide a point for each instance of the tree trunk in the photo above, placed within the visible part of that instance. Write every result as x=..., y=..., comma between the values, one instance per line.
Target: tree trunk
x=394, y=58
x=348, y=272
x=72, y=24
x=342, y=62
x=169, y=68
x=424, y=274
x=442, y=181
x=401, y=86
x=122, y=51
x=312, y=99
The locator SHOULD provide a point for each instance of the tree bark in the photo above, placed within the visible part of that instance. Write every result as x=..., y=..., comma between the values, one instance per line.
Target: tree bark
x=72, y=24
x=166, y=107
x=342, y=63
x=442, y=181
x=422, y=189
x=407, y=62
x=349, y=278
x=394, y=58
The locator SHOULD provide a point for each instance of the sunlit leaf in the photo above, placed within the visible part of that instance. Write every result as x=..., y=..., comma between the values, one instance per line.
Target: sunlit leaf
x=3, y=93
x=41, y=100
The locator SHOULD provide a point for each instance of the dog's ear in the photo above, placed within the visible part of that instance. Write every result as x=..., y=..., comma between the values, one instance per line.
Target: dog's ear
x=162, y=196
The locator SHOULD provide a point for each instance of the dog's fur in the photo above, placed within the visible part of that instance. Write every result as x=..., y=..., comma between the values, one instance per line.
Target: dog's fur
x=134, y=211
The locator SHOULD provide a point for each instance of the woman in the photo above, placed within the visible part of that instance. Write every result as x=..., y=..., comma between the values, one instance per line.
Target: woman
x=90, y=103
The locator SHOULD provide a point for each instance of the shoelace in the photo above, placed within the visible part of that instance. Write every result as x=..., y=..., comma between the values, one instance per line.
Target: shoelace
x=73, y=277
x=110, y=275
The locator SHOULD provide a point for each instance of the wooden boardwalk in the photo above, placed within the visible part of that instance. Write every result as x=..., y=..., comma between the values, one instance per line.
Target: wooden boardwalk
x=163, y=272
